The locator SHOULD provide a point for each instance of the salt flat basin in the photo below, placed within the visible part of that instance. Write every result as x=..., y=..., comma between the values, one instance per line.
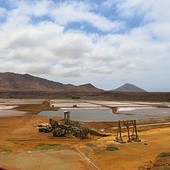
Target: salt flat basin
x=20, y=101
x=6, y=112
x=90, y=103
x=9, y=113
x=105, y=114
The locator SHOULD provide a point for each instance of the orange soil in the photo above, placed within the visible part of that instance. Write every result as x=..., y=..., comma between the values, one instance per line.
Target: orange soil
x=20, y=134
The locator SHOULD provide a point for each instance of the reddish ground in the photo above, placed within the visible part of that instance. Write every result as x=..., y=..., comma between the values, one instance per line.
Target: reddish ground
x=20, y=135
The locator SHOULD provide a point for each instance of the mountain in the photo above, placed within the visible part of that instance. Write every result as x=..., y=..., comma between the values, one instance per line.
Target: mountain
x=129, y=88
x=88, y=86
x=26, y=82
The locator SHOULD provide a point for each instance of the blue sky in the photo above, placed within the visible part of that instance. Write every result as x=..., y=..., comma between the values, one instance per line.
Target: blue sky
x=103, y=42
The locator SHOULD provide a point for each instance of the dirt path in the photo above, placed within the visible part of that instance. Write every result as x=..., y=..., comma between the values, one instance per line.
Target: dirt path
x=51, y=159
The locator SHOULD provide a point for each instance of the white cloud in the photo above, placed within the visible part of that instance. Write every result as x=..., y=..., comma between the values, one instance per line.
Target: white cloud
x=37, y=68
x=66, y=13
x=45, y=47
x=2, y=12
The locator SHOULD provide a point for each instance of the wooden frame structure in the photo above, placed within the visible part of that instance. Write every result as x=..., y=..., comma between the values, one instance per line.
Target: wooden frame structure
x=129, y=125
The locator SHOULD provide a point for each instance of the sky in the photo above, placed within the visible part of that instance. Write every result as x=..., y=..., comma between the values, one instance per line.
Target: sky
x=103, y=42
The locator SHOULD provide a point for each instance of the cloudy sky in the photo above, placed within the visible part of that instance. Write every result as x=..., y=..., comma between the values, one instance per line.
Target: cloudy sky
x=104, y=42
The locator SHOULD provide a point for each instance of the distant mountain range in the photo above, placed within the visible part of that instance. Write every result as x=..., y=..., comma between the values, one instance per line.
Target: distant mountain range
x=129, y=88
x=26, y=82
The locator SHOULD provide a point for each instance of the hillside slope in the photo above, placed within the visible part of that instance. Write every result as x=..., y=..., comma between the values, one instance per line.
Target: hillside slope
x=26, y=82
x=129, y=88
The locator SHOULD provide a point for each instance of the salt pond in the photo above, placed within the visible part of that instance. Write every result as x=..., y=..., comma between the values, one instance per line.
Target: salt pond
x=105, y=114
x=6, y=112
x=7, y=104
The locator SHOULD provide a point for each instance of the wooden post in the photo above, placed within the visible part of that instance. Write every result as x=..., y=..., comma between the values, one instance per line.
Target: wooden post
x=120, y=130
x=128, y=132
x=127, y=123
x=119, y=133
x=136, y=133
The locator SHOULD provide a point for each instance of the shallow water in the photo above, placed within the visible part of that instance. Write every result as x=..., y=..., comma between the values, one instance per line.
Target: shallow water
x=105, y=114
